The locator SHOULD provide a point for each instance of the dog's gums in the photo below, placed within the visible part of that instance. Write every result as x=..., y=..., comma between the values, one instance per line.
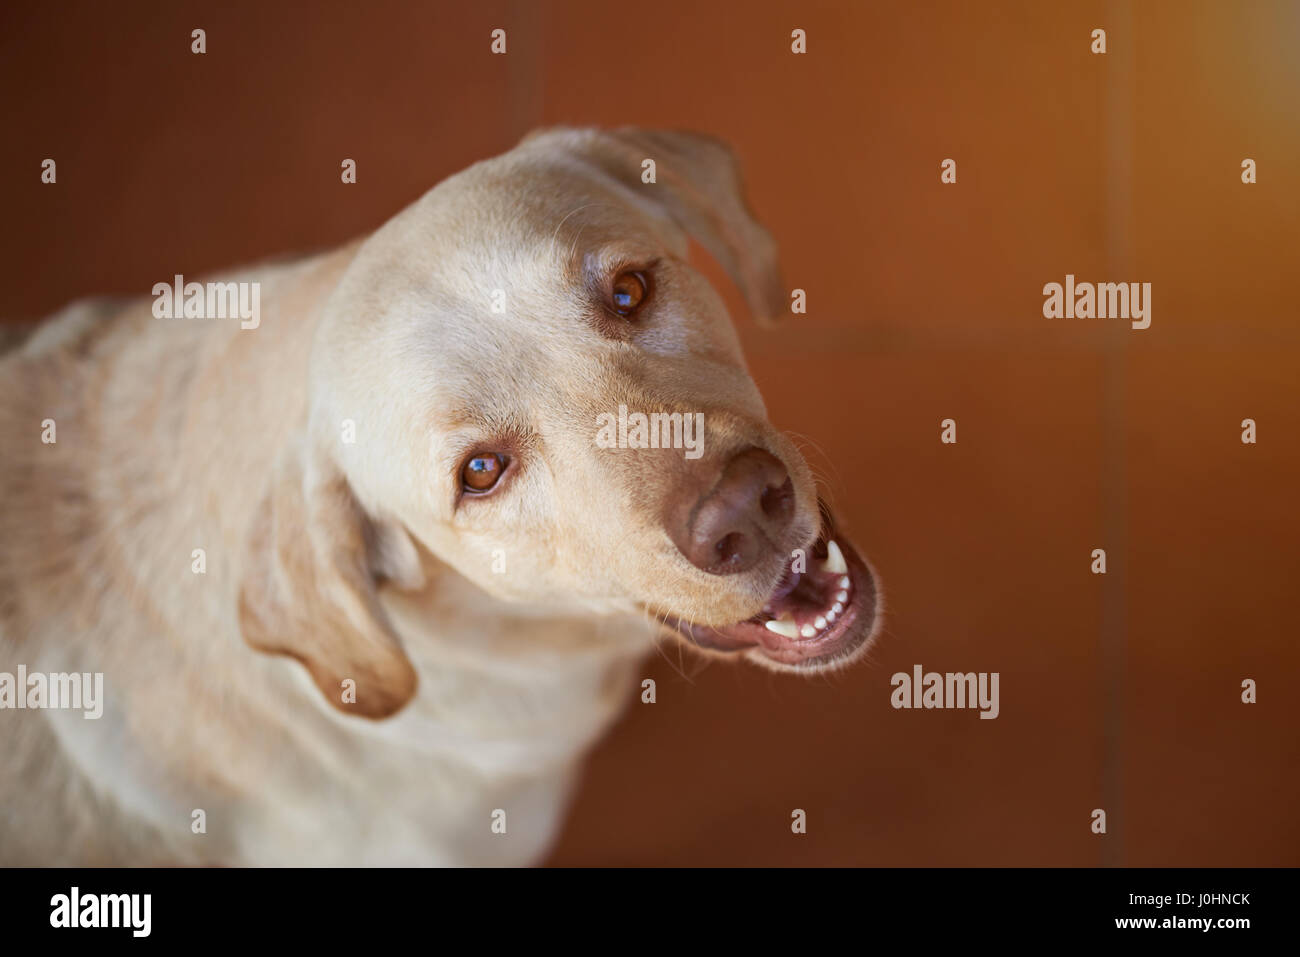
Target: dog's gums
x=818, y=617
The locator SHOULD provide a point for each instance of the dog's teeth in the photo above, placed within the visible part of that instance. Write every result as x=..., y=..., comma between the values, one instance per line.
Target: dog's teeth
x=837, y=608
x=834, y=559
x=820, y=623
x=844, y=582
x=832, y=615
x=783, y=627
x=807, y=631
x=842, y=597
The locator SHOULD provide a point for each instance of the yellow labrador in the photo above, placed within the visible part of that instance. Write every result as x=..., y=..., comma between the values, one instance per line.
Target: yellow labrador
x=367, y=568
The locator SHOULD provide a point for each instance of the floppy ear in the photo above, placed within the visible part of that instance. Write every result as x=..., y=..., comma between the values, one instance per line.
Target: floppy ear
x=698, y=185
x=311, y=564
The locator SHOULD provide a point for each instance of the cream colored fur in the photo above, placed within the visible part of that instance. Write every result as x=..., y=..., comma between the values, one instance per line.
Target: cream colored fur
x=477, y=690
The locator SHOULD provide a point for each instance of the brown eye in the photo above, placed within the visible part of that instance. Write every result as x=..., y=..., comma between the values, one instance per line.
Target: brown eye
x=482, y=472
x=628, y=293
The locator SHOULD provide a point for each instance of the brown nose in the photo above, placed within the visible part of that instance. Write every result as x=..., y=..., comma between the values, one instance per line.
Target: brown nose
x=735, y=522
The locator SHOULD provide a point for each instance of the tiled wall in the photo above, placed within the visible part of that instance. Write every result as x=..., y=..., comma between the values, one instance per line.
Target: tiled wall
x=925, y=302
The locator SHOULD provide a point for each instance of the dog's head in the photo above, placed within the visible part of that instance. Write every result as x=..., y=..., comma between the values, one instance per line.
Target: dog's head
x=522, y=374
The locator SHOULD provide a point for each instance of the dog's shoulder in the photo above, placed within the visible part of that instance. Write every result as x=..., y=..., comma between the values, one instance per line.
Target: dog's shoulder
x=75, y=327
x=47, y=420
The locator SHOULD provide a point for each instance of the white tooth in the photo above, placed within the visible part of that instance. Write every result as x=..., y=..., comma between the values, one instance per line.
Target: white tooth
x=807, y=631
x=834, y=559
x=785, y=628
x=842, y=596
x=832, y=615
x=820, y=623
x=837, y=608
x=844, y=582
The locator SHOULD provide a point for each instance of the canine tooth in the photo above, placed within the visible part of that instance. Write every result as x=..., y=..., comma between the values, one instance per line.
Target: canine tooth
x=834, y=559
x=842, y=597
x=820, y=623
x=783, y=627
x=837, y=608
x=807, y=631
x=845, y=582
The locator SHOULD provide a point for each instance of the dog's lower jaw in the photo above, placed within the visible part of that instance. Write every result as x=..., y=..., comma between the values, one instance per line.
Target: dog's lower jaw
x=823, y=613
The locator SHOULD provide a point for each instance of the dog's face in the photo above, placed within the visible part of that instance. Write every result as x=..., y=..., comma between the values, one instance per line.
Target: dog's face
x=544, y=395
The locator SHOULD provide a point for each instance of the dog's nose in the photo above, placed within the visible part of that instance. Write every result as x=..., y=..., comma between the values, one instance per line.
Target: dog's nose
x=738, y=519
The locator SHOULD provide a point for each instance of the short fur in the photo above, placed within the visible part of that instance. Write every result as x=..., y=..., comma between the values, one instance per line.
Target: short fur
x=331, y=562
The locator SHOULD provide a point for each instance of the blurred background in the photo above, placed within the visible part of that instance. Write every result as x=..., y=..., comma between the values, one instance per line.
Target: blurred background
x=1120, y=691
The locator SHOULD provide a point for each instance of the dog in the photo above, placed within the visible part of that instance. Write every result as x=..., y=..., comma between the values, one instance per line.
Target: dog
x=362, y=583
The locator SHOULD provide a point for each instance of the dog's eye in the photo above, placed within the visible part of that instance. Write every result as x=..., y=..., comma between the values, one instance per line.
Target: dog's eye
x=482, y=472
x=628, y=293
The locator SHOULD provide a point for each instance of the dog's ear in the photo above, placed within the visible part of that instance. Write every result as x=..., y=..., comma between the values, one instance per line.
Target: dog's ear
x=311, y=564
x=698, y=185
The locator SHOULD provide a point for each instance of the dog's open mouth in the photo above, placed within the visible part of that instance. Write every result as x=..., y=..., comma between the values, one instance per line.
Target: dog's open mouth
x=816, y=616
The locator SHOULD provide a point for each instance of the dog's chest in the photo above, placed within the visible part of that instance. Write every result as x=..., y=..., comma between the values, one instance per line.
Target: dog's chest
x=477, y=768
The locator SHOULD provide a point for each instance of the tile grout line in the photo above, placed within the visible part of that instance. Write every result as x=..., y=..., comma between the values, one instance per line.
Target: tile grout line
x=1114, y=484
